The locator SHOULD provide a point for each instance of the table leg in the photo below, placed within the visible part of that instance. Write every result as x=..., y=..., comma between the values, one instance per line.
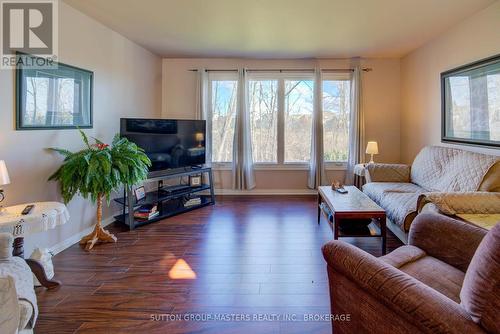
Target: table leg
x=383, y=230
x=319, y=207
x=35, y=266
x=336, y=223
x=18, y=247
x=37, y=269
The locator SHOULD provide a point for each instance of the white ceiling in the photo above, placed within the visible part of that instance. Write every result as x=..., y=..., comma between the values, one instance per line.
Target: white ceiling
x=280, y=28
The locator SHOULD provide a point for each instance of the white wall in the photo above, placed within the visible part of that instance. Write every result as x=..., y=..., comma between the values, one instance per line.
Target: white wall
x=473, y=39
x=381, y=101
x=127, y=82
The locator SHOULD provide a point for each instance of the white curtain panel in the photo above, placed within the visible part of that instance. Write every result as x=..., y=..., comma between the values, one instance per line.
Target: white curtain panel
x=357, y=127
x=243, y=174
x=203, y=110
x=317, y=175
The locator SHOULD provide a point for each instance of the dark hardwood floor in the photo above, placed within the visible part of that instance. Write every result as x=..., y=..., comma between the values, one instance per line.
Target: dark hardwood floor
x=251, y=256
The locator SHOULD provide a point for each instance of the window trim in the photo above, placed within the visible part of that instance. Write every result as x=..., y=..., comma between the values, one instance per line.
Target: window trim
x=329, y=166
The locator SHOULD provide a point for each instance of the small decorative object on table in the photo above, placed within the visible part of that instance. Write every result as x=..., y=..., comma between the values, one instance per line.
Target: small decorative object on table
x=140, y=193
x=339, y=187
x=372, y=148
x=195, y=180
x=97, y=171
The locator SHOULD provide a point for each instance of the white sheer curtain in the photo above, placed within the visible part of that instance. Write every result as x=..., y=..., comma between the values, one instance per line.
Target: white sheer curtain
x=356, y=127
x=243, y=174
x=203, y=111
x=317, y=175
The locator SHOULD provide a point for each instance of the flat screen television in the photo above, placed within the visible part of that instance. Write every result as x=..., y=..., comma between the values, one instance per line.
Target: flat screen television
x=169, y=143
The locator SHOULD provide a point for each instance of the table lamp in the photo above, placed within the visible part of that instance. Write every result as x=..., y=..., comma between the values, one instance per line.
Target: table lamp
x=199, y=136
x=4, y=179
x=372, y=148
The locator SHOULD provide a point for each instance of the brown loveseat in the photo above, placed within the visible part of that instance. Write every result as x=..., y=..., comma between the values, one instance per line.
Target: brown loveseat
x=437, y=174
x=447, y=280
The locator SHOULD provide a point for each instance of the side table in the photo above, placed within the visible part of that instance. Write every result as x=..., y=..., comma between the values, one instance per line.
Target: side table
x=359, y=175
x=43, y=217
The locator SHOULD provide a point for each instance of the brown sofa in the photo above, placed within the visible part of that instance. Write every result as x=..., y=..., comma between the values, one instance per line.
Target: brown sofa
x=437, y=174
x=447, y=280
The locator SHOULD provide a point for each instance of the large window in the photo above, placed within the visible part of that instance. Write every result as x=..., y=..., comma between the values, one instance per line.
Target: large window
x=336, y=115
x=222, y=104
x=280, y=107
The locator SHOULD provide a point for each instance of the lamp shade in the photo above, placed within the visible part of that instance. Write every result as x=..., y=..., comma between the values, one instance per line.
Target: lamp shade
x=199, y=136
x=372, y=147
x=4, y=175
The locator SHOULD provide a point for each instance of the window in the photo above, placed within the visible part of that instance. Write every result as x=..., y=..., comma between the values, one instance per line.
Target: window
x=336, y=115
x=299, y=95
x=280, y=107
x=222, y=104
x=263, y=106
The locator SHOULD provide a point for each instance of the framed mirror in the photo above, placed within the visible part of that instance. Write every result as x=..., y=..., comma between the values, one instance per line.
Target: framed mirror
x=56, y=97
x=470, y=103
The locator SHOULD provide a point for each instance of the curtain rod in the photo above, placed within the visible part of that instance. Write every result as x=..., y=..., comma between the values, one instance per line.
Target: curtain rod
x=367, y=69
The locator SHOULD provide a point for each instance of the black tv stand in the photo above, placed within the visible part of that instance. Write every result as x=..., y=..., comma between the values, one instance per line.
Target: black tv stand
x=171, y=199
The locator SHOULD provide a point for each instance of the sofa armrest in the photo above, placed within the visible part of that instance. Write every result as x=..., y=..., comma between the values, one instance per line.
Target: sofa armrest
x=9, y=306
x=417, y=303
x=387, y=173
x=450, y=240
x=452, y=203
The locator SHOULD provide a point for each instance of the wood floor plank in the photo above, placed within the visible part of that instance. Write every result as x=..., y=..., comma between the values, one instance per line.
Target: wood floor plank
x=253, y=256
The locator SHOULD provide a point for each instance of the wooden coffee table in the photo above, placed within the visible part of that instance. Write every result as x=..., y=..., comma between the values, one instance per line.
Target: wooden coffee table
x=354, y=205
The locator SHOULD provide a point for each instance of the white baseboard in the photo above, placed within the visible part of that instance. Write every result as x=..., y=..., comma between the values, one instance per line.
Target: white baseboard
x=76, y=238
x=232, y=192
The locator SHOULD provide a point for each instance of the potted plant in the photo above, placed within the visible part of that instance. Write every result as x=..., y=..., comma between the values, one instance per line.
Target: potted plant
x=98, y=170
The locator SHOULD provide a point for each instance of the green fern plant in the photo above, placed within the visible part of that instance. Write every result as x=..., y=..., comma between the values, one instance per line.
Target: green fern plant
x=98, y=170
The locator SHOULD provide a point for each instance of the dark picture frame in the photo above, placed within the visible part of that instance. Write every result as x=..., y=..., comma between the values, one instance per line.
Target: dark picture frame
x=195, y=181
x=465, y=105
x=53, y=98
x=139, y=193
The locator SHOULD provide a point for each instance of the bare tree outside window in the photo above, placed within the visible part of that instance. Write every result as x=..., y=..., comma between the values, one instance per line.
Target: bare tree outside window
x=263, y=103
x=223, y=111
x=299, y=95
x=281, y=103
x=336, y=115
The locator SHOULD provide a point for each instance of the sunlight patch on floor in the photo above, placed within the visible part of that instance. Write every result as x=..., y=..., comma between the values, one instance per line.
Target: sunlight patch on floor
x=181, y=270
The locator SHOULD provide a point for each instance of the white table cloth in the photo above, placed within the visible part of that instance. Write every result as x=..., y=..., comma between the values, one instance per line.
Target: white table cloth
x=43, y=217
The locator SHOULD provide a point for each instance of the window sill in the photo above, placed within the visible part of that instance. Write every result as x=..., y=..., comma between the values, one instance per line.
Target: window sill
x=329, y=166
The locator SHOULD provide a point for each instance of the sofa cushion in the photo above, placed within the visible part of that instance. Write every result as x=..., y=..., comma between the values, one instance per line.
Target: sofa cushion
x=446, y=169
x=434, y=273
x=480, y=295
x=377, y=190
x=399, y=200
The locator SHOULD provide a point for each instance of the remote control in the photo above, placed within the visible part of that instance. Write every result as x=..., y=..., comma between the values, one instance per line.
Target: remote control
x=342, y=190
x=27, y=209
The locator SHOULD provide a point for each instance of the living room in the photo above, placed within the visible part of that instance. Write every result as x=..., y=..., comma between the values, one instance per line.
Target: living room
x=280, y=98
